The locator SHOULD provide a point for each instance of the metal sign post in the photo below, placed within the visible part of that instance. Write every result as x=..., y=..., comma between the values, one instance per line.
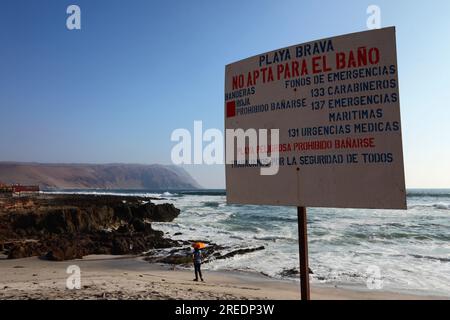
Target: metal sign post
x=301, y=91
x=303, y=253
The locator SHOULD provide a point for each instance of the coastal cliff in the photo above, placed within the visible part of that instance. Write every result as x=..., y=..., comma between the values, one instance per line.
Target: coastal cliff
x=97, y=176
x=63, y=227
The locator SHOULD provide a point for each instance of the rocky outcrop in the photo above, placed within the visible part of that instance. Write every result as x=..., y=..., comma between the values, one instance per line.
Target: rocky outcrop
x=183, y=254
x=292, y=273
x=62, y=227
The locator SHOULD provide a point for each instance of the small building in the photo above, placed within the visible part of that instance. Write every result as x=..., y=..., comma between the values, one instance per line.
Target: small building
x=18, y=190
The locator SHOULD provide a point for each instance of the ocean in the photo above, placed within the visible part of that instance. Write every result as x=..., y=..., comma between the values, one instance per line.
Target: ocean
x=406, y=251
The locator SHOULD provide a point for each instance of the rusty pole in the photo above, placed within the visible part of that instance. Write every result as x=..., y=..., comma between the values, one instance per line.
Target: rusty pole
x=303, y=253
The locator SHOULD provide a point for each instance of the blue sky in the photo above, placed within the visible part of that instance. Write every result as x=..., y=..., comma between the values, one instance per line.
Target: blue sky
x=116, y=89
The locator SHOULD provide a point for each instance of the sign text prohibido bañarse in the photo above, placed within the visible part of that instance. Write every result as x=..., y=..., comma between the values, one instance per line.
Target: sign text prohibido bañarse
x=336, y=105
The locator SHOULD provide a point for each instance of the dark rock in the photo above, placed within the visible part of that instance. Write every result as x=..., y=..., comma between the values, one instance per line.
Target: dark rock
x=176, y=259
x=165, y=212
x=238, y=252
x=142, y=226
x=293, y=272
x=120, y=246
x=183, y=255
x=55, y=254
x=67, y=227
x=26, y=222
x=123, y=229
x=65, y=251
x=17, y=252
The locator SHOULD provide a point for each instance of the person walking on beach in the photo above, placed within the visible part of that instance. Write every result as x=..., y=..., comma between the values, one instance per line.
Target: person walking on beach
x=197, y=257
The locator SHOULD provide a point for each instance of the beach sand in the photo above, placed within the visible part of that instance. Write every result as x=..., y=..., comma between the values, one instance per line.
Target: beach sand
x=125, y=277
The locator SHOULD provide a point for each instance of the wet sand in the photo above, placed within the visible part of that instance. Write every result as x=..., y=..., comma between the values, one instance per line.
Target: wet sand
x=107, y=277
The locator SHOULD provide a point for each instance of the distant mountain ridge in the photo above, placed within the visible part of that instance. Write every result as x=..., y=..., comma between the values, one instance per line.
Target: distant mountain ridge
x=97, y=176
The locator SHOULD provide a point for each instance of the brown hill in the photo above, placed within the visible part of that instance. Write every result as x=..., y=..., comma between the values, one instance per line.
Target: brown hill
x=96, y=176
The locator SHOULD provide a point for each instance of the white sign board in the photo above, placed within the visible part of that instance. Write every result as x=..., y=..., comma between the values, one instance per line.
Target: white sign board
x=336, y=104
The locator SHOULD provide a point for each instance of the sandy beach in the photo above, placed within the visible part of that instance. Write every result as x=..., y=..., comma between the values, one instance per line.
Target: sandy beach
x=127, y=277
